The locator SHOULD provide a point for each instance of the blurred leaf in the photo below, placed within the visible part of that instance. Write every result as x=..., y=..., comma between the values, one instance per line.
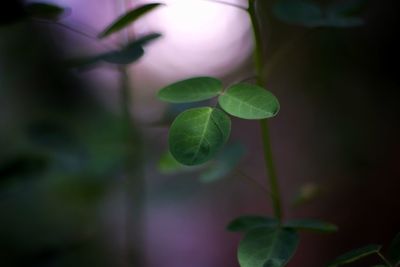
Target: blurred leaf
x=148, y=38
x=44, y=11
x=104, y=141
x=300, y=12
x=191, y=90
x=22, y=166
x=168, y=164
x=306, y=193
x=345, y=13
x=394, y=250
x=128, y=18
x=58, y=142
x=198, y=134
x=246, y=223
x=224, y=163
x=309, y=14
x=311, y=225
x=131, y=52
x=355, y=255
x=267, y=247
x=347, y=8
x=126, y=55
x=249, y=101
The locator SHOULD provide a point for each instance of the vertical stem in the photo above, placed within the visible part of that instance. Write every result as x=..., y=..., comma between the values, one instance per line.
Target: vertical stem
x=133, y=179
x=268, y=157
x=132, y=169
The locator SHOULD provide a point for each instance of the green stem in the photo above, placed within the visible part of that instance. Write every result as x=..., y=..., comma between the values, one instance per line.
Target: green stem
x=268, y=157
x=384, y=259
x=134, y=182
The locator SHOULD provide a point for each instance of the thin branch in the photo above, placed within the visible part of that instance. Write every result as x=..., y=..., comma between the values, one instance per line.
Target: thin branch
x=253, y=181
x=384, y=259
x=74, y=30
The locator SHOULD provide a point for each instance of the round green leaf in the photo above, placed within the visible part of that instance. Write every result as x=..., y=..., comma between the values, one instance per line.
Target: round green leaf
x=197, y=135
x=249, y=101
x=311, y=225
x=355, y=255
x=267, y=247
x=191, y=90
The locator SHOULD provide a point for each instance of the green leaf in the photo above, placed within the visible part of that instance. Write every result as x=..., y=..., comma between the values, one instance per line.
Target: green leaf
x=198, y=134
x=394, y=250
x=249, y=101
x=128, y=18
x=191, y=90
x=224, y=163
x=267, y=247
x=311, y=225
x=44, y=11
x=299, y=12
x=355, y=255
x=246, y=223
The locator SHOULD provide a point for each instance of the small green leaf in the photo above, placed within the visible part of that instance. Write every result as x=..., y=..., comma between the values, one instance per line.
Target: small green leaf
x=267, y=247
x=246, y=223
x=311, y=225
x=128, y=18
x=355, y=255
x=299, y=12
x=44, y=11
x=224, y=163
x=191, y=90
x=249, y=101
x=394, y=250
x=198, y=134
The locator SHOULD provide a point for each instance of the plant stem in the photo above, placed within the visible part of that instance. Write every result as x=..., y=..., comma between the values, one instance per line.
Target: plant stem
x=268, y=157
x=384, y=259
x=132, y=169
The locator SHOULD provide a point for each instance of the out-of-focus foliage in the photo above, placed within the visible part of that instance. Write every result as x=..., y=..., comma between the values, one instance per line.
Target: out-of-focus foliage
x=128, y=18
x=310, y=14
